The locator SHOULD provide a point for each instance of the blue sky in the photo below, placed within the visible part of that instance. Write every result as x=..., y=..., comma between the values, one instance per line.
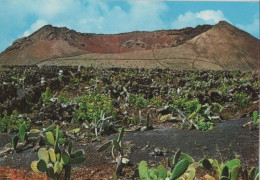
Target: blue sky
x=19, y=18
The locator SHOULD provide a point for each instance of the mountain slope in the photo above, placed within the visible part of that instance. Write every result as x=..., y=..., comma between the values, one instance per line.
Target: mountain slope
x=222, y=46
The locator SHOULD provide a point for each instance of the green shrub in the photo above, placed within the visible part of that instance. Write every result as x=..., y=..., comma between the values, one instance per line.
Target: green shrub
x=137, y=101
x=11, y=123
x=179, y=102
x=191, y=106
x=47, y=95
x=242, y=99
x=157, y=101
x=63, y=98
x=205, y=126
x=93, y=106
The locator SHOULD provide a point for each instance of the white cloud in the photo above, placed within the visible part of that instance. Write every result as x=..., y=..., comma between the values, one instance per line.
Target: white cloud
x=101, y=18
x=91, y=16
x=190, y=19
x=35, y=26
x=252, y=28
x=96, y=16
x=210, y=15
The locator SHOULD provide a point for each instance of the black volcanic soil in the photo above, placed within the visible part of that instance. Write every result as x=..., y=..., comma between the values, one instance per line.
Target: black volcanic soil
x=227, y=140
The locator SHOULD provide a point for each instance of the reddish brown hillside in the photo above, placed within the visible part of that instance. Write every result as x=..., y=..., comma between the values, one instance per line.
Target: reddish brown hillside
x=222, y=46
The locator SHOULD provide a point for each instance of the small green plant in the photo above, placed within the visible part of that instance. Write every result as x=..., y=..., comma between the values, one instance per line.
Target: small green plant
x=242, y=99
x=54, y=160
x=11, y=123
x=4, y=68
x=205, y=126
x=47, y=95
x=255, y=123
x=132, y=119
x=156, y=101
x=179, y=102
x=22, y=136
x=224, y=88
x=137, y=101
x=256, y=84
x=256, y=117
x=192, y=106
x=63, y=98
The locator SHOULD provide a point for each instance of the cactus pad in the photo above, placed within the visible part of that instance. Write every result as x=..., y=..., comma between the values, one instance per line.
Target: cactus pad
x=143, y=170
x=34, y=166
x=35, y=131
x=77, y=154
x=65, y=158
x=44, y=154
x=50, y=138
x=22, y=132
x=179, y=169
x=104, y=146
x=57, y=167
x=52, y=155
x=41, y=165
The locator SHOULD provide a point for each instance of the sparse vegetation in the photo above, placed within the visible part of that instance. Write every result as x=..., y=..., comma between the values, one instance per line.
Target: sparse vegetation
x=137, y=101
x=47, y=95
x=11, y=123
x=89, y=104
x=63, y=98
x=93, y=106
x=184, y=166
x=242, y=99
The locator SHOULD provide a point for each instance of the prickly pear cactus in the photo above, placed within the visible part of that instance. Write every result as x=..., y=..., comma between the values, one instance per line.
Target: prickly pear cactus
x=44, y=154
x=179, y=169
x=50, y=138
x=22, y=132
x=41, y=165
x=34, y=166
x=58, y=167
x=52, y=155
x=54, y=160
x=162, y=173
x=34, y=131
x=143, y=170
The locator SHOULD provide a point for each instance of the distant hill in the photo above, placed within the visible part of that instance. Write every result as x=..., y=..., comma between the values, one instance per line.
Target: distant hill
x=217, y=47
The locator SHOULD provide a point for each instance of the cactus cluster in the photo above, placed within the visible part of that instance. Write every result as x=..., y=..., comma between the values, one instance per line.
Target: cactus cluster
x=181, y=163
x=54, y=160
x=225, y=171
x=146, y=174
x=34, y=136
x=183, y=167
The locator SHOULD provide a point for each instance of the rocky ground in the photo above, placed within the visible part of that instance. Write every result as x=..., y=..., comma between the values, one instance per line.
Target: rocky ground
x=175, y=102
